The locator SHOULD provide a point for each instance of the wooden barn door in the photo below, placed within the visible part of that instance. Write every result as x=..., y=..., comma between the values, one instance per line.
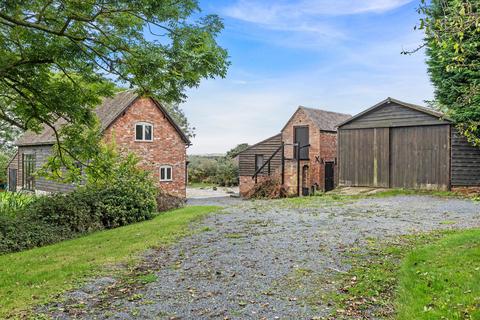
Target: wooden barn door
x=420, y=157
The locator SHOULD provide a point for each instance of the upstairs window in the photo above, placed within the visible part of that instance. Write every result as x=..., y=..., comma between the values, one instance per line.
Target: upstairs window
x=166, y=173
x=143, y=131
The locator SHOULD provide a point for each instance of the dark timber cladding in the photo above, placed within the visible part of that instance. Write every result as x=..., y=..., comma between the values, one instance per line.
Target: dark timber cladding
x=395, y=144
x=265, y=148
x=465, y=162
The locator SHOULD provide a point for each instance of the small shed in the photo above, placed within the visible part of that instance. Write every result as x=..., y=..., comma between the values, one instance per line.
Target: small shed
x=395, y=144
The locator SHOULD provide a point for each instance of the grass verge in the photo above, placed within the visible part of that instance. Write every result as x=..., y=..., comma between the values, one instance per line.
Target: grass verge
x=441, y=280
x=427, y=276
x=35, y=276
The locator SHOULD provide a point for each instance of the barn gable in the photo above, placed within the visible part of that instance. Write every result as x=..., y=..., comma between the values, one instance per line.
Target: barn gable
x=392, y=113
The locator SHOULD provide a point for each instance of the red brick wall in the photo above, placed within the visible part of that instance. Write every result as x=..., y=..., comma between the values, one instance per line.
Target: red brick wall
x=301, y=119
x=323, y=145
x=167, y=147
x=328, y=153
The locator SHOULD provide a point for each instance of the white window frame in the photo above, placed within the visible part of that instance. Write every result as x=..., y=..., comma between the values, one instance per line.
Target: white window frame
x=143, y=124
x=166, y=167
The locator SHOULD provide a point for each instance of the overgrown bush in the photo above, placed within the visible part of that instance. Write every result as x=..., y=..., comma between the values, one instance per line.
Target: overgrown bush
x=267, y=188
x=125, y=196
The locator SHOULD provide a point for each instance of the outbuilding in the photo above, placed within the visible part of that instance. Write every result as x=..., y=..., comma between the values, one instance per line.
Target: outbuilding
x=395, y=144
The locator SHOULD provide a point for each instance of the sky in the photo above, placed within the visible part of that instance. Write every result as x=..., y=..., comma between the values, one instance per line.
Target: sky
x=337, y=55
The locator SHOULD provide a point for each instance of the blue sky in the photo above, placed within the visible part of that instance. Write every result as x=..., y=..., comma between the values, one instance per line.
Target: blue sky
x=338, y=55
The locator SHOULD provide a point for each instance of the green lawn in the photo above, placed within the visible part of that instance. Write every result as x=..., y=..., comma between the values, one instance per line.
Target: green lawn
x=199, y=185
x=442, y=280
x=425, y=276
x=34, y=276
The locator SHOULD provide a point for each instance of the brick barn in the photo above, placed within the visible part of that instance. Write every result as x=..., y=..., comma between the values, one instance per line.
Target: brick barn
x=395, y=144
x=302, y=155
x=138, y=124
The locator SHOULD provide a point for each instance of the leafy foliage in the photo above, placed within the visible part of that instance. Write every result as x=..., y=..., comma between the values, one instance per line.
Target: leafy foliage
x=219, y=170
x=5, y=157
x=235, y=151
x=222, y=171
x=125, y=196
x=59, y=58
x=12, y=202
x=452, y=30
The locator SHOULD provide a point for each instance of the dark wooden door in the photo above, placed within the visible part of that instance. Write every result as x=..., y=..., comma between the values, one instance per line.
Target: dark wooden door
x=329, y=176
x=420, y=157
x=302, y=138
x=12, y=180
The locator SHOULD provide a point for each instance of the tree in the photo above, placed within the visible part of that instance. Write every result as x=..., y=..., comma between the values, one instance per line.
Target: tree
x=58, y=58
x=452, y=40
x=232, y=153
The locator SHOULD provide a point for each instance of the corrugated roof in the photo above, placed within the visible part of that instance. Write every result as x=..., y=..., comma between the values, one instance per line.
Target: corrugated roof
x=325, y=120
x=108, y=111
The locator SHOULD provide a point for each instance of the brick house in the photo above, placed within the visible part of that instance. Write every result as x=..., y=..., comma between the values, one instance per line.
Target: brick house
x=310, y=168
x=137, y=124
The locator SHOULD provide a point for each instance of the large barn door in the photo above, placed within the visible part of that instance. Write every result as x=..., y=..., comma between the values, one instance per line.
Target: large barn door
x=364, y=157
x=419, y=157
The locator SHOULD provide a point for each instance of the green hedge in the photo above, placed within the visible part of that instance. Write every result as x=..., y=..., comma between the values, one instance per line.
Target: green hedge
x=50, y=219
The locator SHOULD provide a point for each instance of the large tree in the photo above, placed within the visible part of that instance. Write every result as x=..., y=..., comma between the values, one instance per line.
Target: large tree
x=58, y=58
x=452, y=29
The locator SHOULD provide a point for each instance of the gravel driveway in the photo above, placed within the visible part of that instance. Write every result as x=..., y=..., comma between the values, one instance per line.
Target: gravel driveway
x=264, y=259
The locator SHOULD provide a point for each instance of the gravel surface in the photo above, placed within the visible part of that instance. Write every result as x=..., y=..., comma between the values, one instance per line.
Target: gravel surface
x=261, y=260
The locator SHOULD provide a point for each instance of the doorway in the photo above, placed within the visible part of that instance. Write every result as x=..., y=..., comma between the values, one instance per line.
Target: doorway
x=329, y=176
x=305, y=179
x=12, y=180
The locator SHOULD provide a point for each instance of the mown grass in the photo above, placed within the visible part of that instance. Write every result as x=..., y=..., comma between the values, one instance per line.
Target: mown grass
x=425, y=276
x=200, y=185
x=35, y=276
x=442, y=280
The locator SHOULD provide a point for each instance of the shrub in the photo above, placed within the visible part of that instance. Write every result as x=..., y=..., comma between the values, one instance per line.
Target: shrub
x=12, y=202
x=73, y=211
x=267, y=188
x=21, y=233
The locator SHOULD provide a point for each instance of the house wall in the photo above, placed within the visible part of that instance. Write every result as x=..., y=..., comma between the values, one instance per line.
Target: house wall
x=42, y=153
x=167, y=147
x=322, y=149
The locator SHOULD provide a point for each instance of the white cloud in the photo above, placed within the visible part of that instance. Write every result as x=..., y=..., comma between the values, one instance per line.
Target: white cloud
x=281, y=14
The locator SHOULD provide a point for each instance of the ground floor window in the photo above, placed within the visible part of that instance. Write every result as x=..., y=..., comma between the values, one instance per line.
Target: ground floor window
x=258, y=161
x=166, y=173
x=28, y=169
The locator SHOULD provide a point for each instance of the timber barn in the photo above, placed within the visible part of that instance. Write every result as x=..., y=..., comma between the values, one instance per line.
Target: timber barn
x=395, y=144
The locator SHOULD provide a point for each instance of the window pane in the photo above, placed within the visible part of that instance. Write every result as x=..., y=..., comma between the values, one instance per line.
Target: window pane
x=169, y=173
x=162, y=173
x=258, y=161
x=139, y=132
x=148, y=132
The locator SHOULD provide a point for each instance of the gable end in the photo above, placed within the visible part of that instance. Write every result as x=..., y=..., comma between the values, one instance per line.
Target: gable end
x=394, y=113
